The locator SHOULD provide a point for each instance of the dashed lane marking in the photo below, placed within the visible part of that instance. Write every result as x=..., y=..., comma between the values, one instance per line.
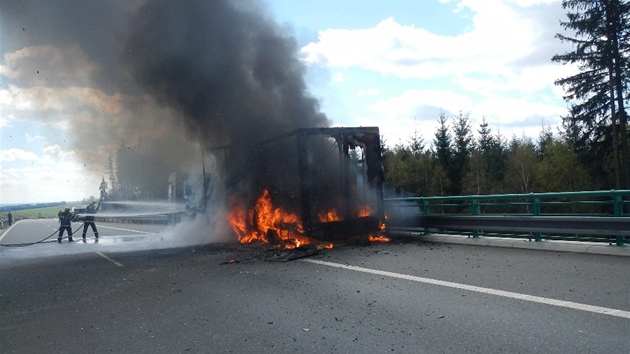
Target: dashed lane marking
x=507, y=294
x=109, y=259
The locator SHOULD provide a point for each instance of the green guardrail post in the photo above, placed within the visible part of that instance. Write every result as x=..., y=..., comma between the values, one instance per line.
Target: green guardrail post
x=617, y=205
x=536, y=212
x=474, y=205
x=425, y=211
x=618, y=210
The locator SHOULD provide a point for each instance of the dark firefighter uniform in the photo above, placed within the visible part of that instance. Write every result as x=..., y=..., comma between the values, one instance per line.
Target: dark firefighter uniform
x=89, y=221
x=65, y=218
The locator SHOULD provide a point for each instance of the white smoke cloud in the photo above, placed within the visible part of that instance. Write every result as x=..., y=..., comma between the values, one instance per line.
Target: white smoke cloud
x=47, y=65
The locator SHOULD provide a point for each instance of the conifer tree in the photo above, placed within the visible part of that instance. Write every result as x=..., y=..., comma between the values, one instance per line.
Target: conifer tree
x=521, y=167
x=103, y=191
x=443, y=153
x=597, y=93
x=462, y=149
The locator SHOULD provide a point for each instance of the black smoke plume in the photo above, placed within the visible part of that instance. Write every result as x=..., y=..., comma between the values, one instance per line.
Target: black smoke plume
x=232, y=72
x=223, y=69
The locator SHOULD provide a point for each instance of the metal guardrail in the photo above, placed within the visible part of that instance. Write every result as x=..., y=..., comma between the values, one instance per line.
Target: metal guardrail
x=600, y=216
x=149, y=219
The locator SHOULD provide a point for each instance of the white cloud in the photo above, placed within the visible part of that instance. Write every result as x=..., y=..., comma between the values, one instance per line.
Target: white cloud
x=26, y=177
x=33, y=183
x=407, y=104
x=528, y=3
x=409, y=51
x=338, y=78
x=521, y=81
x=5, y=120
x=368, y=92
x=13, y=155
x=32, y=138
x=507, y=47
x=55, y=151
x=514, y=113
x=415, y=111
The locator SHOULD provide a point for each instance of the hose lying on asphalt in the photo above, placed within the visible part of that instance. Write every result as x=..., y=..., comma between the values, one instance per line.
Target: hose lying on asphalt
x=36, y=242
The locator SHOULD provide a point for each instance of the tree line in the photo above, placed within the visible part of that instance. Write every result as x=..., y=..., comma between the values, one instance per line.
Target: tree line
x=458, y=163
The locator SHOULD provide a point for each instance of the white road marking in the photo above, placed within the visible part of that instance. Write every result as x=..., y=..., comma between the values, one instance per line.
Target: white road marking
x=109, y=259
x=5, y=232
x=508, y=294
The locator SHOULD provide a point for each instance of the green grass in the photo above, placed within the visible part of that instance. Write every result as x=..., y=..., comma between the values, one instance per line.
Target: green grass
x=50, y=212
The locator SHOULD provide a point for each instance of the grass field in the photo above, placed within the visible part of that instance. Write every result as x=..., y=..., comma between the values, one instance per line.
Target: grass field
x=50, y=212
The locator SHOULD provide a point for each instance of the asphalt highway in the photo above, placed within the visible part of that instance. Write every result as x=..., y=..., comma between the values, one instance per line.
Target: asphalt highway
x=134, y=292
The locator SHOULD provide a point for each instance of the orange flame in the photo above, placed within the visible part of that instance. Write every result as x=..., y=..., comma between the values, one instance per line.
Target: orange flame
x=265, y=220
x=325, y=246
x=381, y=239
x=268, y=224
x=365, y=211
x=332, y=215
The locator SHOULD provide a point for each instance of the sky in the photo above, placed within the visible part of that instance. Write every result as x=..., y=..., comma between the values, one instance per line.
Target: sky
x=395, y=64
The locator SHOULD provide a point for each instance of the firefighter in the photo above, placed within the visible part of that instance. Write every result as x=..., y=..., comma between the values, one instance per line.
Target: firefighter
x=89, y=221
x=65, y=218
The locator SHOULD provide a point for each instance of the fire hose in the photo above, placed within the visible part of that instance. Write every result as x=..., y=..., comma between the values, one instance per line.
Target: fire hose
x=36, y=242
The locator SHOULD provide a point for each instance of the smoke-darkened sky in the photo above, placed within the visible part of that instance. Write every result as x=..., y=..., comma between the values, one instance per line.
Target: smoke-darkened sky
x=161, y=78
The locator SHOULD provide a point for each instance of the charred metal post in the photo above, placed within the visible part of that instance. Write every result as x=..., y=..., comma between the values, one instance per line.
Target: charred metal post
x=375, y=169
x=342, y=147
x=345, y=176
x=305, y=188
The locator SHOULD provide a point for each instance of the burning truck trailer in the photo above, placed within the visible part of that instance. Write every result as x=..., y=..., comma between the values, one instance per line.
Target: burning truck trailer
x=324, y=185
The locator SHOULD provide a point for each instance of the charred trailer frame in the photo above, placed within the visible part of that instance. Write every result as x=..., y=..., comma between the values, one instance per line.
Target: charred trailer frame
x=319, y=171
x=347, y=139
